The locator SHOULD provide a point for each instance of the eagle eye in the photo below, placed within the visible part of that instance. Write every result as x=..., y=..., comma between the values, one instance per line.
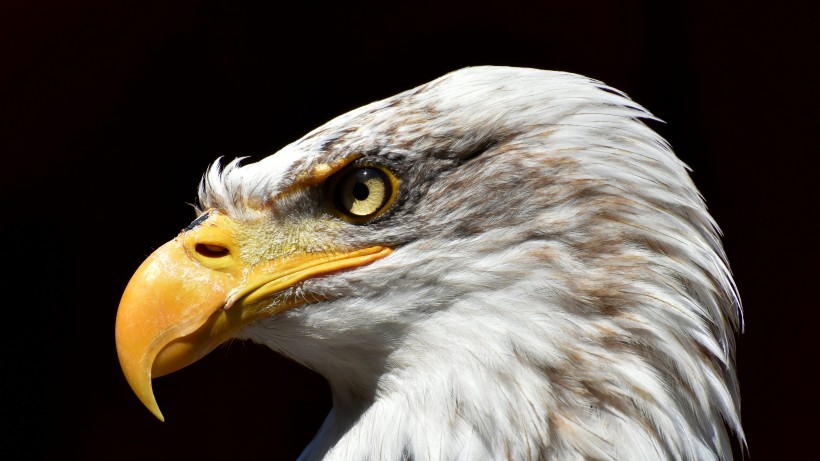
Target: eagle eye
x=361, y=193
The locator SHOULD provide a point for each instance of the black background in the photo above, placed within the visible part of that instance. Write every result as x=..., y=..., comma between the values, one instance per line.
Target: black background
x=111, y=111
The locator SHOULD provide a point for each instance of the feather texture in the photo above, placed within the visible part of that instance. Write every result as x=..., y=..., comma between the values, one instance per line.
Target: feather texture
x=558, y=289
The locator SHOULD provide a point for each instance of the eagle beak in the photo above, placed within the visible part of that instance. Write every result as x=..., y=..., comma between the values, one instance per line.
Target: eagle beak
x=195, y=292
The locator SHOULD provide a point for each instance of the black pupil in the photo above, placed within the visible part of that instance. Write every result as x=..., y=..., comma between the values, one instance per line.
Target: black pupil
x=360, y=191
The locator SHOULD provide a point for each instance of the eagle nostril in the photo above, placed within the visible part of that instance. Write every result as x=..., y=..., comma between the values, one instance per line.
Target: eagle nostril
x=211, y=251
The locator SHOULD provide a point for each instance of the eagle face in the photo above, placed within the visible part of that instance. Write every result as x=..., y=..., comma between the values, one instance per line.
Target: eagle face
x=502, y=263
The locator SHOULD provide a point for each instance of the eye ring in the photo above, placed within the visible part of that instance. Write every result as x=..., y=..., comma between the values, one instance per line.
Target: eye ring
x=361, y=193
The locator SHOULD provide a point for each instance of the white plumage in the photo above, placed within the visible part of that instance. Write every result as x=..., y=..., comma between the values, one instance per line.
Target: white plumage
x=556, y=288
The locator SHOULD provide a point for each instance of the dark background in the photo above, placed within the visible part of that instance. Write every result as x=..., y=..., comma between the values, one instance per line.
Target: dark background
x=111, y=111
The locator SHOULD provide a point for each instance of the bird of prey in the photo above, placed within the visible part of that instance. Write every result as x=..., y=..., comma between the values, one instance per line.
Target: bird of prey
x=502, y=263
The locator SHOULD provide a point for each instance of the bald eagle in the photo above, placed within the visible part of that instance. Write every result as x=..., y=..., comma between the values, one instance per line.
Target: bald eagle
x=503, y=263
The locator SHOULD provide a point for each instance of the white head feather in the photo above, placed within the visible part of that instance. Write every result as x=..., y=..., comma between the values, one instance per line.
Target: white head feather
x=557, y=290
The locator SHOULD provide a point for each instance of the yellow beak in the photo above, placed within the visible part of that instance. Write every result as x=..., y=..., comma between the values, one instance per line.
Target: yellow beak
x=195, y=292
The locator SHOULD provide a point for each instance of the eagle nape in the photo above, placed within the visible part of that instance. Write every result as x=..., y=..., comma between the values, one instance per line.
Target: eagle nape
x=503, y=263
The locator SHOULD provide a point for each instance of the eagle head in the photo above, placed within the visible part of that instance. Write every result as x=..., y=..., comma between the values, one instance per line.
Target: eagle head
x=503, y=263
